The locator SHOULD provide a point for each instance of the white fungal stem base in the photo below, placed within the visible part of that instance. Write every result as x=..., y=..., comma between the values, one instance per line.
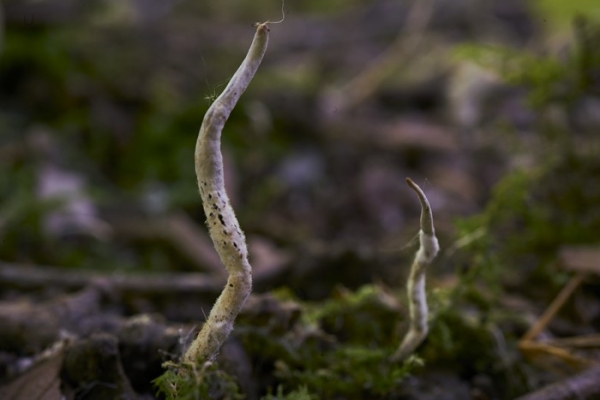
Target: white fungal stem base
x=417, y=299
x=228, y=238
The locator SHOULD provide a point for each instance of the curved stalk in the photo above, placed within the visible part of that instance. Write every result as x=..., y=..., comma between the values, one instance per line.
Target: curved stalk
x=417, y=300
x=224, y=229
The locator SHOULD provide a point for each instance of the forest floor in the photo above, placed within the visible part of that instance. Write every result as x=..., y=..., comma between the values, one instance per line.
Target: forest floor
x=107, y=271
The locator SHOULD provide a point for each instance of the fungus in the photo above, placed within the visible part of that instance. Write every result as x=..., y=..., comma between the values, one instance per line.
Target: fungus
x=415, y=286
x=231, y=243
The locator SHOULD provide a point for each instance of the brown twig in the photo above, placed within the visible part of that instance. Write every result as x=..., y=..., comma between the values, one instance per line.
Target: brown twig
x=554, y=307
x=28, y=277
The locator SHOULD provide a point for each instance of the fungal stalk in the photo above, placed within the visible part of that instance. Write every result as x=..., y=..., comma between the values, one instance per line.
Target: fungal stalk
x=417, y=301
x=224, y=229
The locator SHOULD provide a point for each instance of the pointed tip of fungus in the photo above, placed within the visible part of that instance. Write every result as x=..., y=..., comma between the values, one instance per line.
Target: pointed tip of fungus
x=426, y=215
x=418, y=190
x=227, y=237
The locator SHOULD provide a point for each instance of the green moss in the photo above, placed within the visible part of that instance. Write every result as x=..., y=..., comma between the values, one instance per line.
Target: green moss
x=351, y=372
x=336, y=349
x=182, y=382
x=309, y=359
x=360, y=317
x=532, y=212
x=558, y=14
x=463, y=342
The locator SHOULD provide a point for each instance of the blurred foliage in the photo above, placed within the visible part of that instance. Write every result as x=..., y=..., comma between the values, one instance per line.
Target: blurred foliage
x=301, y=393
x=534, y=211
x=530, y=216
x=104, y=109
x=558, y=14
x=548, y=79
x=127, y=126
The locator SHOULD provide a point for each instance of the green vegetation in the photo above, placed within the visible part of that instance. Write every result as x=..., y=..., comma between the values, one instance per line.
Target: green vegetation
x=548, y=79
x=533, y=211
x=301, y=394
x=182, y=382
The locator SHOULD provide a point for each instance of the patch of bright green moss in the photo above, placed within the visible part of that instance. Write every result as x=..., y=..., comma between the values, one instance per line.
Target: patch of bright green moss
x=181, y=382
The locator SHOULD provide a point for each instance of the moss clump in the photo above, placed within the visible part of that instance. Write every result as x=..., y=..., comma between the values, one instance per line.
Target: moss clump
x=185, y=382
x=366, y=317
x=350, y=372
x=464, y=343
x=336, y=349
